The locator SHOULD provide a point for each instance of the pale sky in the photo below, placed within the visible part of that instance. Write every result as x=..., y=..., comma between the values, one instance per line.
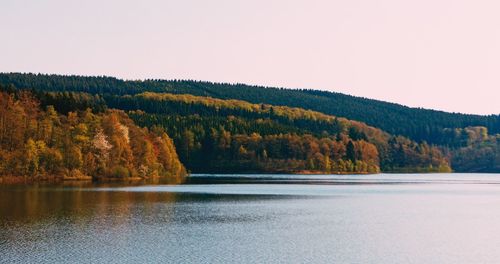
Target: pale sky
x=439, y=54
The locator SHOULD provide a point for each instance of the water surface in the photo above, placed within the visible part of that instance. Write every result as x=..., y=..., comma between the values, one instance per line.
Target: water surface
x=431, y=218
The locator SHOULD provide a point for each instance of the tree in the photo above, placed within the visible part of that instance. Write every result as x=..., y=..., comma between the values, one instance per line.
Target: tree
x=350, y=151
x=31, y=157
x=101, y=144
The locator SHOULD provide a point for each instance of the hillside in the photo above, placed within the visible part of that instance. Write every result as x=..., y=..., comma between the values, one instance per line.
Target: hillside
x=246, y=122
x=234, y=136
x=417, y=124
x=42, y=144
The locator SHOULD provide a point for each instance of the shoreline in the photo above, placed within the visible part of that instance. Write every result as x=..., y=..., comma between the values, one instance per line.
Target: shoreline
x=19, y=180
x=23, y=180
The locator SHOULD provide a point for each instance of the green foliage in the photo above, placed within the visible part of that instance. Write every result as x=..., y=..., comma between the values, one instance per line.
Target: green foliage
x=119, y=172
x=207, y=120
x=415, y=123
x=480, y=152
x=214, y=135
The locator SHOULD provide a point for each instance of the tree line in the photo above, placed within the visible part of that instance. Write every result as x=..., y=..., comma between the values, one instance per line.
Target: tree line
x=214, y=135
x=415, y=123
x=412, y=139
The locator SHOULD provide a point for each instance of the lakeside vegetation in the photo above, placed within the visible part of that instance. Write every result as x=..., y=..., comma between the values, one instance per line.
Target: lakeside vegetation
x=40, y=143
x=233, y=136
x=214, y=135
x=415, y=123
x=214, y=130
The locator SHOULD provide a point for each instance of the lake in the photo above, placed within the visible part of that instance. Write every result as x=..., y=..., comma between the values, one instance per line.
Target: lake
x=384, y=218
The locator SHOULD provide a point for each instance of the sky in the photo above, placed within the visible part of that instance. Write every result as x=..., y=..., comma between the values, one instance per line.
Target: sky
x=438, y=54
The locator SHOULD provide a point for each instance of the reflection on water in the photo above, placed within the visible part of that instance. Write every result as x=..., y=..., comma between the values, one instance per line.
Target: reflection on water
x=33, y=203
x=346, y=219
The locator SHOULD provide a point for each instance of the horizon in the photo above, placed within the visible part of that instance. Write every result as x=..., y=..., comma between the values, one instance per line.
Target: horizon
x=439, y=55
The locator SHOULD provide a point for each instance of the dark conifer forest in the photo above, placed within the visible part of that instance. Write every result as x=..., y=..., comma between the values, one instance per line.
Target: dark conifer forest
x=236, y=128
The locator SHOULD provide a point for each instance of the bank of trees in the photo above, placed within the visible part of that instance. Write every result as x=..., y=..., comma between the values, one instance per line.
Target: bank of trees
x=417, y=124
x=38, y=142
x=476, y=150
x=221, y=151
x=216, y=135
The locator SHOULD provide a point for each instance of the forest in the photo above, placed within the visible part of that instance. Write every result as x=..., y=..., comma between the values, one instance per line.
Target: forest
x=227, y=128
x=415, y=123
x=39, y=143
x=229, y=136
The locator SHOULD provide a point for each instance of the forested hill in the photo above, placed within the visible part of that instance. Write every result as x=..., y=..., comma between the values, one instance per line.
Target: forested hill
x=39, y=143
x=415, y=123
x=214, y=130
x=234, y=136
x=217, y=135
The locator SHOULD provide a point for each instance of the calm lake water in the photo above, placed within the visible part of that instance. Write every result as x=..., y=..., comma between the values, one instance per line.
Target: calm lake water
x=414, y=218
